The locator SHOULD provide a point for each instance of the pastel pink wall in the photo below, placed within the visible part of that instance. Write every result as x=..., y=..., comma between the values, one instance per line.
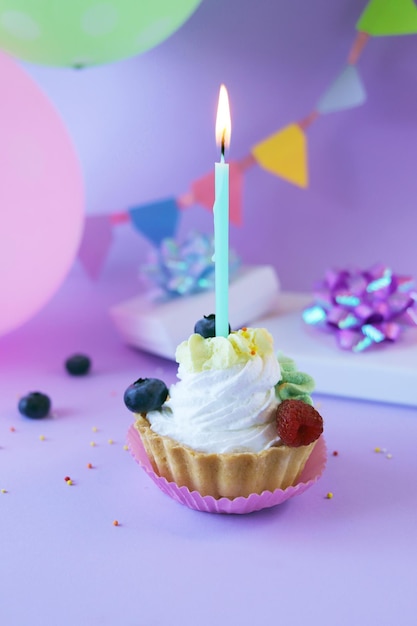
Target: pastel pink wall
x=144, y=130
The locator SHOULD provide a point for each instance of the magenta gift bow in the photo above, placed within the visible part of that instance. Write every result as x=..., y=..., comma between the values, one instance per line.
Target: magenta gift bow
x=363, y=308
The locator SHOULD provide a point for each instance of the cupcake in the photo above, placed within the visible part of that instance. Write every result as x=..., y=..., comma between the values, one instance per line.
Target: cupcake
x=239, y=421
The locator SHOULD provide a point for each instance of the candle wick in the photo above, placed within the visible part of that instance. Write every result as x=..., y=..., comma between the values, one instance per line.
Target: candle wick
x=223, y=142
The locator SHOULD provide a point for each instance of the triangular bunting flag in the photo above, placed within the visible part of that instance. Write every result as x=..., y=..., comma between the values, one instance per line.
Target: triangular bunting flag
x=235, y=193
x=95, y=244
x=156, y=220
x=389, y=17
x=203, y=192
x=285, y=154
x=346, y=92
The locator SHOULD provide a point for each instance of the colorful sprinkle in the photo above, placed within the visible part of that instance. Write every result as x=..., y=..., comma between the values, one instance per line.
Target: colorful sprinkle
x=381, y=450
x=69, y=482
x=42, y=437
x=335, y=453
x=90, y=465
x=389, y=455
x=116, y=523
x=67, y=478
x=12, y=429
x=111, y=441
x=4, y=490
x=94, y=429
x=125, y=447
x=92, y=444
x=329, y=495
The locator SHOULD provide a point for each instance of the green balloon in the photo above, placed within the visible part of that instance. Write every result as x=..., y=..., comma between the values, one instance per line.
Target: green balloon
x=79, y=33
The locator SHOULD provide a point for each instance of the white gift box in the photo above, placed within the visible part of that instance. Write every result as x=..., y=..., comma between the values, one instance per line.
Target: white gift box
x=387, y=373
x=157, y=326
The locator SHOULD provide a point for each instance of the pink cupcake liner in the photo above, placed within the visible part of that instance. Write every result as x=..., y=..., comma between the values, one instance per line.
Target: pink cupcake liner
x=254, y=502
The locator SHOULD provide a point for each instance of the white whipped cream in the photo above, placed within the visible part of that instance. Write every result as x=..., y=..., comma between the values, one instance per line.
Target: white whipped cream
x=225, y=398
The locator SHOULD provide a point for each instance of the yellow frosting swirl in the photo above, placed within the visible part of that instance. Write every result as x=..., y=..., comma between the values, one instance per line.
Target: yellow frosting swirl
x=197, y=354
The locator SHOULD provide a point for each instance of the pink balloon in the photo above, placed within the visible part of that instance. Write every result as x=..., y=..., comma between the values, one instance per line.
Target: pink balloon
x=41, y=198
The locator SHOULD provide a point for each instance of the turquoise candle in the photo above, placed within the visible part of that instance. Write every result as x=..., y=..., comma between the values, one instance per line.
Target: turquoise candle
x=221, y=218
x=221, y=247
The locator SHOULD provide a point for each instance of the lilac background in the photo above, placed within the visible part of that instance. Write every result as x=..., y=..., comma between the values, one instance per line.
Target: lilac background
x=348, y=560
x=144, y=130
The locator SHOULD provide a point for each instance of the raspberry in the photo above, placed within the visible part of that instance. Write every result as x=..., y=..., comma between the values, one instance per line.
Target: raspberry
x=298, y=423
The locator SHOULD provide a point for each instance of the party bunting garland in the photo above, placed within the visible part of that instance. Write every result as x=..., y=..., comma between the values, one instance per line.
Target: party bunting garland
x=284, y=153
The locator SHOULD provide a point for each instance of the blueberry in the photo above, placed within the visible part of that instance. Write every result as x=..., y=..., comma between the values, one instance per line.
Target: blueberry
x=206, y=327
x=78, y=364
x=145, y=394
x=35, y=405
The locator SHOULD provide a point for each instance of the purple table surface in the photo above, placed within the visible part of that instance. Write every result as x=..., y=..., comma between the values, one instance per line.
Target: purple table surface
x=350, y=559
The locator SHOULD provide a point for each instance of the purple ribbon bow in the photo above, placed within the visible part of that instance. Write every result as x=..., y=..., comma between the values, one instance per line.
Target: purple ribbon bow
x=363, y=308
x=182, y=269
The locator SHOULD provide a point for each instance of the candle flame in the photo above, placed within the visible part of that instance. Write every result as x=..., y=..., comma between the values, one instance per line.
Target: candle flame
x=223, y=121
